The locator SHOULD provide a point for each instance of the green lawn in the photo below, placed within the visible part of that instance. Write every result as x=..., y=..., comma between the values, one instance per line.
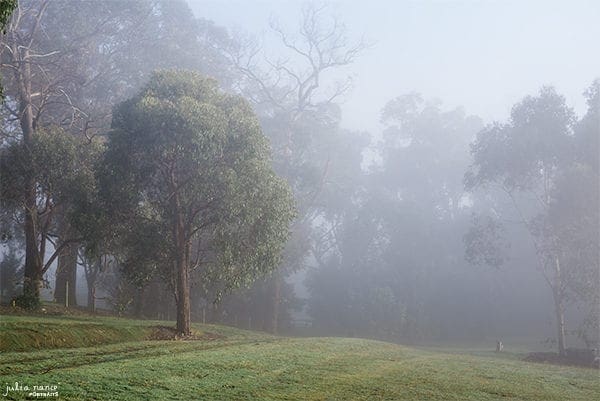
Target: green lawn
x=241, y=365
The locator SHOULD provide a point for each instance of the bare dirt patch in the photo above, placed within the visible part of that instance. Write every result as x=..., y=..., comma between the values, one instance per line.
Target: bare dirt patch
x=169, y=333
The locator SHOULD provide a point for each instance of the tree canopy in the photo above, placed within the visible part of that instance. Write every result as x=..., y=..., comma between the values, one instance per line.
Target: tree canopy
x=189, y=163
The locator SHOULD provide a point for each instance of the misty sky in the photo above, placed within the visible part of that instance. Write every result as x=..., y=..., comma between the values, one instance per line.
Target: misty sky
x=484, y=55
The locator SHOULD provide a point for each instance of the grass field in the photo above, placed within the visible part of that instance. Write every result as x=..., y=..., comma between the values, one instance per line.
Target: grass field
x=239, y=365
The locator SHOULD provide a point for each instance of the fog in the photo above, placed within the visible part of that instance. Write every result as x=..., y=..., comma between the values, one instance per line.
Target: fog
x=478, y=56
x=481, y=55
x=420, y=172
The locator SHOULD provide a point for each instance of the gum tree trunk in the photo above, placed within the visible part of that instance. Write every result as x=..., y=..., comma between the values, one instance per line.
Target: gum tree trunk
x=91, y=298
x=183, y=298
x=275, y=302
x=33, y=259
x=559, y=308
x=66, y=271
x=182, y=271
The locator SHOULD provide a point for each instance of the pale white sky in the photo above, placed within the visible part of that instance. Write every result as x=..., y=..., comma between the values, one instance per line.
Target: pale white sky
x=483, y=55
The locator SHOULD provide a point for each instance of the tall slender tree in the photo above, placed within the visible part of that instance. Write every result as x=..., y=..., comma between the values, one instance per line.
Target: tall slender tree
x=522, y=160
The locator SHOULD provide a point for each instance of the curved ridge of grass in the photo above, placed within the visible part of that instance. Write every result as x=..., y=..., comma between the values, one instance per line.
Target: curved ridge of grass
x=30, y=333
x=26, y=336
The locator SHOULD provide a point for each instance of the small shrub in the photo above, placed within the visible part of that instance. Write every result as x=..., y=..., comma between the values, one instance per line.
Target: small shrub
x=27, y=301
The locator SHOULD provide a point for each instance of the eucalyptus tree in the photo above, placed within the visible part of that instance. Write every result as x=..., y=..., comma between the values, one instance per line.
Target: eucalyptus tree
x=389, y=243
x=424, y=154
x=573, y=216
x=62, y=167
x=6, y=9
x=296, y=104
x=49, y=62
x=522, y=161
x=191, y=165
x=67, y=63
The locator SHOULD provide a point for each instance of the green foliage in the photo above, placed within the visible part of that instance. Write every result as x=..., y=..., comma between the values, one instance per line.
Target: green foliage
x=542, y=163
x=527, y=155
x=27, y=301
x=182, y=149
x=485, y=244
x=11, y=273
x=573, y=217
x=6, y=9
x=518, y=155
x=61, y=164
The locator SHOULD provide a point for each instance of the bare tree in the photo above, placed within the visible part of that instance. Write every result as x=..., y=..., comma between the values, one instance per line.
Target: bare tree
x=294, y=86
x=295, y=82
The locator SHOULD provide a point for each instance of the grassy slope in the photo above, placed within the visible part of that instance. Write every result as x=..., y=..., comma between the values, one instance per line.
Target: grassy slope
x=22, y=333
x=251, y=366
x=25, y=333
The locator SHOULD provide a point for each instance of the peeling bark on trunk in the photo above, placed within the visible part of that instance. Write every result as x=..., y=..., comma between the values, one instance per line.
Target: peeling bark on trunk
x=33, y=259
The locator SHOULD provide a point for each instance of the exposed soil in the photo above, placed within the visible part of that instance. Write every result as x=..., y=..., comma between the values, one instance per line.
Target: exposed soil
x=169, y=333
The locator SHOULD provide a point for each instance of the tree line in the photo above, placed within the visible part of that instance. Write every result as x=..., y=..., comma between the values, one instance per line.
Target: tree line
x=180, y=183
x=162, y=186
x=518, y=198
